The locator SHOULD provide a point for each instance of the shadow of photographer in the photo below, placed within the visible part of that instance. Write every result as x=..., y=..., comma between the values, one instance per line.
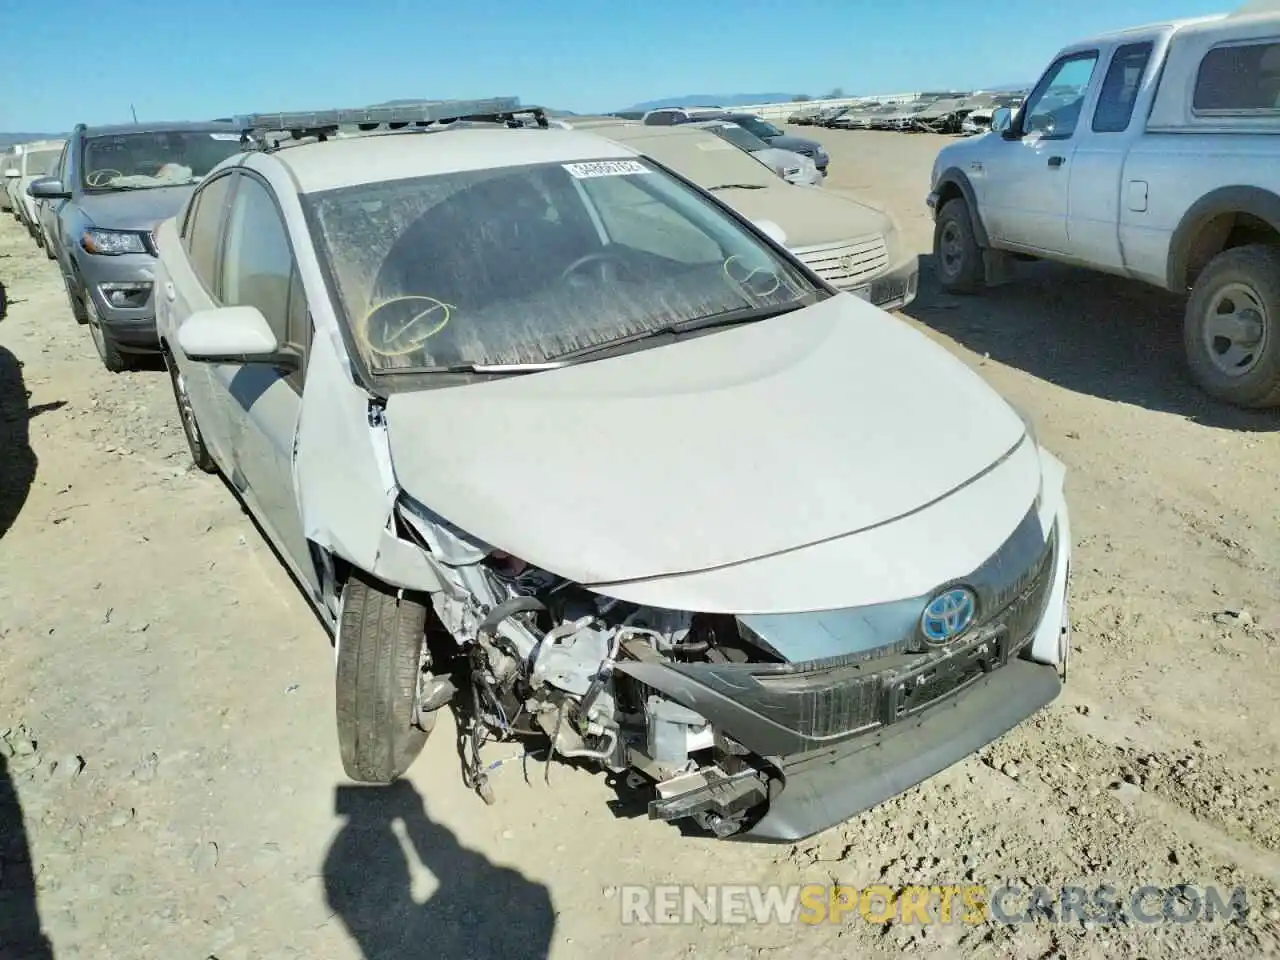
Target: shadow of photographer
x=21, y=937
x=478, y=910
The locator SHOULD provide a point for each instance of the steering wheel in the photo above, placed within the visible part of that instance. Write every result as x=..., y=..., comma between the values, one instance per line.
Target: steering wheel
x=602, y=257
x=100, y=178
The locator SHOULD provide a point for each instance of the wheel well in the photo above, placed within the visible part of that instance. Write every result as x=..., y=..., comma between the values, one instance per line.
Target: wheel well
x=949, y=191
x=1224, y=232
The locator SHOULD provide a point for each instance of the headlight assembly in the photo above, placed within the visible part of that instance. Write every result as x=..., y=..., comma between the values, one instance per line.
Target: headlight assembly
x=112, y=243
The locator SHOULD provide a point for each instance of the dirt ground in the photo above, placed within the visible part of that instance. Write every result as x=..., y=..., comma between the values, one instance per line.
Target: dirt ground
x=167, y=694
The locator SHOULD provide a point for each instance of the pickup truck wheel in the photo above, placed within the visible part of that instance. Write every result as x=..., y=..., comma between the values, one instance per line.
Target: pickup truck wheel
x=1232, y=328
x=381, y=638
x=956, y=254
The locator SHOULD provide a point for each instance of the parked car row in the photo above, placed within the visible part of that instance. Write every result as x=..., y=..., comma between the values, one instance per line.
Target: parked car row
x=757, y=126
x=20, y=165
x=951, y=113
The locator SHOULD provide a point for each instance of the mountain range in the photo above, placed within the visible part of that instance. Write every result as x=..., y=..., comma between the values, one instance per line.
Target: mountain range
x=712, y=99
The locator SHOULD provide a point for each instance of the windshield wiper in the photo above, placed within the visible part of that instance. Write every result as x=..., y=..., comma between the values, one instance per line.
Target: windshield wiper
x=728, y=319
x=738, y=186
x=481, y=368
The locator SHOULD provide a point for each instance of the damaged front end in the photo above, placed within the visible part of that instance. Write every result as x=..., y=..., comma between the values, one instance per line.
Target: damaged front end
x=760, y=726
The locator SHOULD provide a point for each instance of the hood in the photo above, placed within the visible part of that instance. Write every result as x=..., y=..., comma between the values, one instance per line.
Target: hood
x=808, y=218
x=728, y=447
x=135, y=209
x=801, y=145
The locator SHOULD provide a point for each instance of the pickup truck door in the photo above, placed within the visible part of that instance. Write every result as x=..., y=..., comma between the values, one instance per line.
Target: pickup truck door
x=1099, y=193
x=1028, y=168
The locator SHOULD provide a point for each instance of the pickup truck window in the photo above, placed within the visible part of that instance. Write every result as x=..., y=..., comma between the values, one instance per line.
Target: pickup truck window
x=1119, y=90
x=1239, y=78
x=1053, y=109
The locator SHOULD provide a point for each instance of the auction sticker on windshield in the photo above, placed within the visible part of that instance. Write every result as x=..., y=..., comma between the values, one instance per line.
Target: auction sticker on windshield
x=604, y=168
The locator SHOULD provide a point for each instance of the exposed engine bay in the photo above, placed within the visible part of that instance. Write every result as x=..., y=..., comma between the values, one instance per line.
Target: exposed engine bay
x=542, y=653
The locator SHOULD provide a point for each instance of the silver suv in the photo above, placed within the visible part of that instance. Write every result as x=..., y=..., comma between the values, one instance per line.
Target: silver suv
x=110, y=188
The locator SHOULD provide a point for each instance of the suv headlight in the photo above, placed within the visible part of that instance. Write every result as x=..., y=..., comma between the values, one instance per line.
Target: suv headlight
x=112, y=243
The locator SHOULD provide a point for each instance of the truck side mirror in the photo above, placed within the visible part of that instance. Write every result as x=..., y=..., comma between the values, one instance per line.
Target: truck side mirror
x=1001, y=120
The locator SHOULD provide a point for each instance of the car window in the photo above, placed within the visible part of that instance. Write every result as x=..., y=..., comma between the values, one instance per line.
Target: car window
x=1119, y=90
x=257, y=265
x=60, y=168
x=165, y=158
x=205, y=230
x=1240, y=78
x=525, y=264
x=1053, y=109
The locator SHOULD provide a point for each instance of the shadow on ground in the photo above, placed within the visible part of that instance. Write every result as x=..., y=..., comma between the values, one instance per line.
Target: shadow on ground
x=17, y=459
x=1087, y=332
x=20, y=935
x=478, y=910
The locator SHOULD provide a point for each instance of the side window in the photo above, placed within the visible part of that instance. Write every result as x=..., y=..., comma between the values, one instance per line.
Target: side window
x=1241, y=78
x=1053, y=109
x=1119, y=90
x=633, y=218
x=205, y=230
x=662, y=118
x=60, y=168
x=257, y=267
x=184, y=231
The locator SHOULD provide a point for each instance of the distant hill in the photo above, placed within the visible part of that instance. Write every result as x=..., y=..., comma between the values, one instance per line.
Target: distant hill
x=7, y=140
x=710, y=99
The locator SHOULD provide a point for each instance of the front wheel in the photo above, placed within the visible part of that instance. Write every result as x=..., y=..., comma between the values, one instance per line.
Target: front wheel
x=112, y=357
x=381, y=640
x=186, y=413
x=1231, y=332
x=956, y=253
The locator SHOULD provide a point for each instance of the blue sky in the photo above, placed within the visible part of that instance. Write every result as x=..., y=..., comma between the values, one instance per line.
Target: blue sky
x=195, y=60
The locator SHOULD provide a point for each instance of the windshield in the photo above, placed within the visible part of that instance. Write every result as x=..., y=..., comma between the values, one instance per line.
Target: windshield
x=162, y=159
x=761, y=128
x=38, y=163
x=527, y=264
x=741, y=138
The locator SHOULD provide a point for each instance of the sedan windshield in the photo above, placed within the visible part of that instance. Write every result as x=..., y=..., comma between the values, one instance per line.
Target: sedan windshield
x=38, y=163
x=740, y=137
x=534, y=264
x=162, y=159
x=761, y=128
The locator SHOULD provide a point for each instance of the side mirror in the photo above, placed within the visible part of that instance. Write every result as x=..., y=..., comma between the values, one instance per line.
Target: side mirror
x=772, y=231
x=1001, y=120
x=48, y=188
x=233, y=335
x=11, y=173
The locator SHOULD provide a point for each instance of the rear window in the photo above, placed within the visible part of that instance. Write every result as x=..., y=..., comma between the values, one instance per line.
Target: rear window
x=1240, y=78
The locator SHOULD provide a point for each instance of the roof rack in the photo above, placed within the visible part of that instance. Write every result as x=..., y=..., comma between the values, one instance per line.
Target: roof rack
x=322, y=124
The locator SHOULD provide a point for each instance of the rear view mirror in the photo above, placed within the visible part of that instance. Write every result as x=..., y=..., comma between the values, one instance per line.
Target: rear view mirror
x=11, y=173
x=232, y=335
x=772, y=231
x=1001, y=120
x=48, y=188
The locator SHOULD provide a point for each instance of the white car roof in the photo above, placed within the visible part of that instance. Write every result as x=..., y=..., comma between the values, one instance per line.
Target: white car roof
x=397, y=156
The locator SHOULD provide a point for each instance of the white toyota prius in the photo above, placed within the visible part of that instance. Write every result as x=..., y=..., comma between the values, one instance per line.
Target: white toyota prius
x=551, y=436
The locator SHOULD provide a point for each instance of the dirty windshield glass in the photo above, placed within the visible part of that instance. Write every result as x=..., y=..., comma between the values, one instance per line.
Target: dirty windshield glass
x=522, y=265
x=741, y=138
x=38, y=163
x=161, y=159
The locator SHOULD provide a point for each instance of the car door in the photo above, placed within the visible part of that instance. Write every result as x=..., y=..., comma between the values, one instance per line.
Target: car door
x=1027, y=188
x=259, y=270
x=193, y=285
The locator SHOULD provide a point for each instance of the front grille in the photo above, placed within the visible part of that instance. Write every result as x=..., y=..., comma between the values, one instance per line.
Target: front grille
x=841, y=696
x=847, y=264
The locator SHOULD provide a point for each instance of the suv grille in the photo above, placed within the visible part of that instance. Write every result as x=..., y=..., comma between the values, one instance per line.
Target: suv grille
x=847, y=264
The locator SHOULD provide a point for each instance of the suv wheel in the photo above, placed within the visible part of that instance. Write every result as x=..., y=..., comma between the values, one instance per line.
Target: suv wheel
x=381, y=642
x=108, y=349
x=956, y=254
x=1231, y=332
x=187, y=414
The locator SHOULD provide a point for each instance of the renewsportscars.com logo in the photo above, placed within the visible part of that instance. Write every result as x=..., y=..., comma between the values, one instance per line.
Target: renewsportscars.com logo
x=970, y=904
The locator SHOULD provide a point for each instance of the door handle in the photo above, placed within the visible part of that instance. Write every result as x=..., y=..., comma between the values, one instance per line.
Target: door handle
x=1056, y=161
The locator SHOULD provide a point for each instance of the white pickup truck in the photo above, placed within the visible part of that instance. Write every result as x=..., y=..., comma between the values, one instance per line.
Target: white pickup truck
x=1153, y=154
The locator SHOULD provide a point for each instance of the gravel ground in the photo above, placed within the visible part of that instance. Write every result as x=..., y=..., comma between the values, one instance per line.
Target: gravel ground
x=166, y=694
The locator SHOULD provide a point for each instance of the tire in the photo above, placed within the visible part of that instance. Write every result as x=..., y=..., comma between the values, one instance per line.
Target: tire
x=187, y=416
x=959, y=267
x=1244, y=371
x=76, y=294
x=381, y=637
x=108, y=349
